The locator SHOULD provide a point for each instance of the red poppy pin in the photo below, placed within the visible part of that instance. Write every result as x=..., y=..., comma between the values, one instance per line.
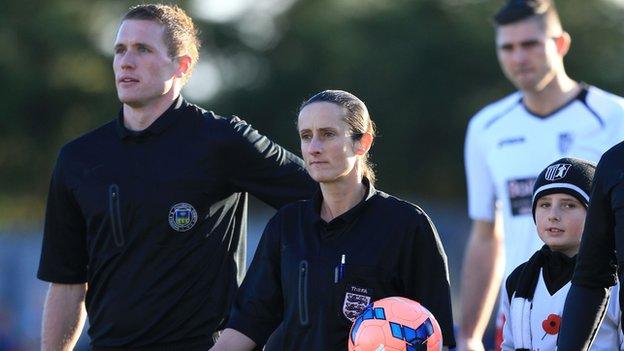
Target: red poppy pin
x=551, y=324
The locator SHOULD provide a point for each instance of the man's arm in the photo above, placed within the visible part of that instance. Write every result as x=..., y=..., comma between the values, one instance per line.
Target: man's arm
x=481, y=278
x=233, y=340
x=597, y=263
x=583, y=312
x=265, y=169
x=64, y=315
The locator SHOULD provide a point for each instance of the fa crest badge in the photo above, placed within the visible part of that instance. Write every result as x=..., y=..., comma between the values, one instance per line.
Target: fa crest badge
x=355, y=301
x=182, y=217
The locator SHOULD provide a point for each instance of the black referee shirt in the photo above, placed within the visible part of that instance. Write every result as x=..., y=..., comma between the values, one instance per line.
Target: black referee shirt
x=154, y=222
x=391, y=248
x=602, y=244
x=601, y=255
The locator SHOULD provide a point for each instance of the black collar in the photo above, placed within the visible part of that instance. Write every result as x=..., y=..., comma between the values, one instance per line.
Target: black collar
x=161, y=123
x=345, y=221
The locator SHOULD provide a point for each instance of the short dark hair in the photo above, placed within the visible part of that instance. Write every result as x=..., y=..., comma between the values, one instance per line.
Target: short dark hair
x=518, y=10
x=356, y=116
x=181, y=36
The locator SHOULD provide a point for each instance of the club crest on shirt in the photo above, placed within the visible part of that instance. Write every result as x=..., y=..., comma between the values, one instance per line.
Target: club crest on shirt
x=557, y=171
x=182, y=217
x=355, y=301
x=565, y=141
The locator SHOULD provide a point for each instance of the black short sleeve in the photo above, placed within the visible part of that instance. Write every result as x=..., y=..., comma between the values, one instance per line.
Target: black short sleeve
x=258, y=307
x=63, y=255
x=265, y=169
x=425, y=274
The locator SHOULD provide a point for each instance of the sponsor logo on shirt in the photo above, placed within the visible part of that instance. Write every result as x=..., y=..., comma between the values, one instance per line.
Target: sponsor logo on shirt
x=182, y=217
x=509, y=141
x=557, y=171
x=355, y=301
x=520, y=192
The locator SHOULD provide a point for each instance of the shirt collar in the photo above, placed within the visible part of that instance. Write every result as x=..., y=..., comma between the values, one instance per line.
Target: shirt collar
x=161, y=123
x=345, y=219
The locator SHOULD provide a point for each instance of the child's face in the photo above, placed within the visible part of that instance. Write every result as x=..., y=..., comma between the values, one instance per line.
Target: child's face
x=560, y=219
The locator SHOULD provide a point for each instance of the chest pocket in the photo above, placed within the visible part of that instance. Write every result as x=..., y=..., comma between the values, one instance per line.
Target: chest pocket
x=115, y=215
x=361, y=285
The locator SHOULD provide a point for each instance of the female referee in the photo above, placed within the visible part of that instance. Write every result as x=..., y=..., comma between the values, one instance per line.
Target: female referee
x=321, y=261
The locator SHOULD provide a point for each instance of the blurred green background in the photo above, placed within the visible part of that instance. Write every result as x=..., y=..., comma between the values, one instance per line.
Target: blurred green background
x=423, y=67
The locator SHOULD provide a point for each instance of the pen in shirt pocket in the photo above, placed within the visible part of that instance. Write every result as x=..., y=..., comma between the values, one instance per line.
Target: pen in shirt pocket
x=339, y=270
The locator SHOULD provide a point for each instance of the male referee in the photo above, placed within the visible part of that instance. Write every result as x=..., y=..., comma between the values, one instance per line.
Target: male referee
x=510, y=141
x=146, y=216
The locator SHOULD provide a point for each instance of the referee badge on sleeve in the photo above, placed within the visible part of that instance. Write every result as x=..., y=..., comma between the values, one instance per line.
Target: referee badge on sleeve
x=182, y=217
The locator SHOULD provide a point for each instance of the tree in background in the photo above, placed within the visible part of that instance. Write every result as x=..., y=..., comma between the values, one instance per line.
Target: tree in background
x=422, y=66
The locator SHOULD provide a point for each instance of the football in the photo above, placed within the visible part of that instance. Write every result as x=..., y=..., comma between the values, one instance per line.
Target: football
x=395, y=324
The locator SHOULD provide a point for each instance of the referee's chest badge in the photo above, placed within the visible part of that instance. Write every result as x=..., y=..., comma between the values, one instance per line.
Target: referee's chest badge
x=355, y=301
x=182, y=217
